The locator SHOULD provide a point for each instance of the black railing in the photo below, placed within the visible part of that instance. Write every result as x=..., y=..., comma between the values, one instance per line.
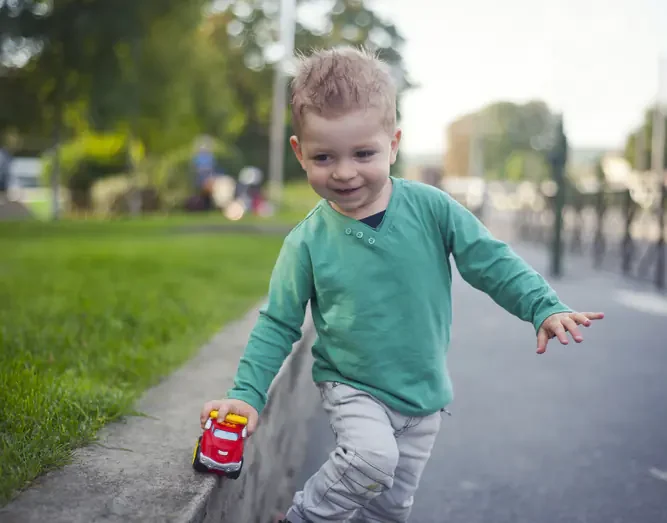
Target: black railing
x=619, y=229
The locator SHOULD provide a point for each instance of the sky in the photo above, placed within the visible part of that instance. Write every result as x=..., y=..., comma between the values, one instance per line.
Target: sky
x=596, y=61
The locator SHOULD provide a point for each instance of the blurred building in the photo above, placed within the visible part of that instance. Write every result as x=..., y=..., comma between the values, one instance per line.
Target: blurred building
x=424, y=168
x=24, y=178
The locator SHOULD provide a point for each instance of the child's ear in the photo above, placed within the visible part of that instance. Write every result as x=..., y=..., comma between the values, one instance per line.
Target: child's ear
x=395, y=142
x=296, y=147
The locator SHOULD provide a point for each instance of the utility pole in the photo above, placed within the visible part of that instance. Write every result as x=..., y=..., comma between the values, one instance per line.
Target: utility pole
x=558, y=161
x=57, y=137
x=277, y=143
x=135, y=194
x=58, y=103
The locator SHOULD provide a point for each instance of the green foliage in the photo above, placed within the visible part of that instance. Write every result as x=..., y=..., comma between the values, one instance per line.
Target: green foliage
x=165, y=72
x=511, y=137
x=112, y=196
x=243, y=35
x=524, y=165
x=106, y=192
x=91, y=52
x=93, y=313
x=88, y=158
x=515, y=167
x=631, y=143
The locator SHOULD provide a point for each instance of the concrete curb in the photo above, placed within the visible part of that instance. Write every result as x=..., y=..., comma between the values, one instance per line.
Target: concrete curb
x=275, y=453
x=140, y=470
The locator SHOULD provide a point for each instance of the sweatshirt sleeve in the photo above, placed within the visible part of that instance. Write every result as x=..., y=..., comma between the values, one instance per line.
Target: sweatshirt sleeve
x=492, y=267
x=278, y=326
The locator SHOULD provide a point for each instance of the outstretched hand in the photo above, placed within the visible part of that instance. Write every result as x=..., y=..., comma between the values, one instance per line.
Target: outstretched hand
x=558, y=325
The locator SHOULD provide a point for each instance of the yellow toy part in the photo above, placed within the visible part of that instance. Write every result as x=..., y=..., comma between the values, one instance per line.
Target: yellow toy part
x=231, y=418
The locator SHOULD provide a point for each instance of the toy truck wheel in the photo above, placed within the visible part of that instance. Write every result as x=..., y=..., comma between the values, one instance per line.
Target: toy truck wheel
x=196, y=463
x=235, y=475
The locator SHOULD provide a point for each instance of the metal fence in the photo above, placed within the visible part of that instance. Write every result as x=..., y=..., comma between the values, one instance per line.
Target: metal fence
x=617, y=228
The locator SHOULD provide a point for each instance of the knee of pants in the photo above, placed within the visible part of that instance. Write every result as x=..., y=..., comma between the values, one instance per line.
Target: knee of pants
x=370, y=472
x=395, y=506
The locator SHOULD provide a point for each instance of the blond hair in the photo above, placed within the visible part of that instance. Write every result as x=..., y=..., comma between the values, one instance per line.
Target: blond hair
x=335, y=81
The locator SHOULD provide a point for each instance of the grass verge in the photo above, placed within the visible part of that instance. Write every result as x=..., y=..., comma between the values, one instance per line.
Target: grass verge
x=92, y=316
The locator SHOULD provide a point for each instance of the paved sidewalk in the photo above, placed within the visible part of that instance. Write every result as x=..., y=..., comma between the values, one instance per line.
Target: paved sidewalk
x=578, y=434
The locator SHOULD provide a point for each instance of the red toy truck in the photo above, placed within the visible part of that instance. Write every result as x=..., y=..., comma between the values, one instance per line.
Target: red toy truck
x=220, y=448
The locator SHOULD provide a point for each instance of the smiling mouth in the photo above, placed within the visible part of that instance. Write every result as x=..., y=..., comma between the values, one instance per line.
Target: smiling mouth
x=346, y=192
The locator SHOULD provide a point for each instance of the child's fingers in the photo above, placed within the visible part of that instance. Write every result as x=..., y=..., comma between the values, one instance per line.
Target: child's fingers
x=243, y=409
x=581, y=319
x=206, y=409
x=593, y=315
x=247, y=411
x=561, y=334
x=542, y=340
x=558, y=327
x=223, y=409
x=219, y=405
x=572, y=328
x=230, y=406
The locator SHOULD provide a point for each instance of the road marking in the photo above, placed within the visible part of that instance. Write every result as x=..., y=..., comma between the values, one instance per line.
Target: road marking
x=643, y=301
x=657, y=473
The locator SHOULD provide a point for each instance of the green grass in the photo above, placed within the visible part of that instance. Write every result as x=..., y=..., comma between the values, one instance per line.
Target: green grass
x=41, y=209
x=93, y=313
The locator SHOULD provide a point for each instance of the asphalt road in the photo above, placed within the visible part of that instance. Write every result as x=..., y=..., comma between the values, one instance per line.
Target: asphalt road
x=576, y=435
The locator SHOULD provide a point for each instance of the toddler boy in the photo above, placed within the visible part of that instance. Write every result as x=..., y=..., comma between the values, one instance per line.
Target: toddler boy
x=373, y=260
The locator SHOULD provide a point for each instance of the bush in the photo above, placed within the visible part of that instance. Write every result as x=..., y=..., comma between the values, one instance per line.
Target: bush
x=173, y=176
x=111, y=196
x=105, y=192
x=88, y=158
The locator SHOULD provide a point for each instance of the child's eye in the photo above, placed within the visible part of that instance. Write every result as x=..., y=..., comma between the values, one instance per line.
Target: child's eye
x=365, y=154
x=321, y=158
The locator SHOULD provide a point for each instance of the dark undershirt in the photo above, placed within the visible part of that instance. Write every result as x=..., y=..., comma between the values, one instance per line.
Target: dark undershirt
x=373, y=220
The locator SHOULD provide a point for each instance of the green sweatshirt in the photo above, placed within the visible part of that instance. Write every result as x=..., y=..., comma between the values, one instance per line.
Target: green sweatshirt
x=381, y=299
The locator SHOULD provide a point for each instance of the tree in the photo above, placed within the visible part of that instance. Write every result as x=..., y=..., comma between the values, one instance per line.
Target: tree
x=100, y=66
x=91, y=53
x=646, y=128
x=245, y=32
x=510, y=137
x=163, y=72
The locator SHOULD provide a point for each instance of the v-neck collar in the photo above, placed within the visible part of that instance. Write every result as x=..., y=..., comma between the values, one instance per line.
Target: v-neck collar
x=349, y=223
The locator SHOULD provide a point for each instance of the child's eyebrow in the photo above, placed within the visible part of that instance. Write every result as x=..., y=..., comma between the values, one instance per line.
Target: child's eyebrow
x=315, y=148
x=314, y=145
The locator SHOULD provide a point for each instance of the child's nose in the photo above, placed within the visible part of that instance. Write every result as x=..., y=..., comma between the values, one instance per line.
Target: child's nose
x=344, y=171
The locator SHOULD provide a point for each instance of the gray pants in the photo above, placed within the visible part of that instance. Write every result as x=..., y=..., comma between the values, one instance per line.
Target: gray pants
x=373, y=473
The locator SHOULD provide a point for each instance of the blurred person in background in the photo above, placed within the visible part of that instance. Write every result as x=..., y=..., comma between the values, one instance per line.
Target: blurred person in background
x=203, y=165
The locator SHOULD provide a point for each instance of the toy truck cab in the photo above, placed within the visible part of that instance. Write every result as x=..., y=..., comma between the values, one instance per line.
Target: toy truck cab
x=220, y=447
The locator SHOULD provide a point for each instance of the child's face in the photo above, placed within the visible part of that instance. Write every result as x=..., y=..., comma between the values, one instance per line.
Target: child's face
x=348, y=159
